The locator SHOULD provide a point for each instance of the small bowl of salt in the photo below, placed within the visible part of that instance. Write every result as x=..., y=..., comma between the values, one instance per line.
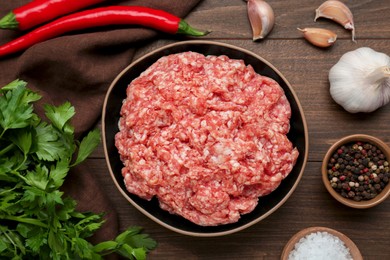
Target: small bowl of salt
x=320, y=243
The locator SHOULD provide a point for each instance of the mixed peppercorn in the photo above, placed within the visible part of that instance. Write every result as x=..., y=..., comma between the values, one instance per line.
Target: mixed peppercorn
x=358, y=171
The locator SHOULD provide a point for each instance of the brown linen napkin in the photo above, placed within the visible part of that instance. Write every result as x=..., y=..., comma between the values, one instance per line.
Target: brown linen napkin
x=79, y=67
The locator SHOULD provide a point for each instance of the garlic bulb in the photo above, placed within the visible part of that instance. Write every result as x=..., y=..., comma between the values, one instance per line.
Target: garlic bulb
x=360, y=80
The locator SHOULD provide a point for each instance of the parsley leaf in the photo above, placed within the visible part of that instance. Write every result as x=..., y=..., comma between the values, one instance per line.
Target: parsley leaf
x=58, y=173
x=23, y=139
x=130, y=243
x=48, y=147
x=16, y=110
x=134, y=238
x=87, y=145
x=38, y=178
x=60, y=116
x=13, y=85
x=36, y=237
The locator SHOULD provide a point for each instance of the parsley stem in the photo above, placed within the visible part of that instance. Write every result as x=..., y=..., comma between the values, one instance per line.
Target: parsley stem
x=7, y=149
x=31, y=221
x=2, y=133
x=17, y=174
x=21, y=164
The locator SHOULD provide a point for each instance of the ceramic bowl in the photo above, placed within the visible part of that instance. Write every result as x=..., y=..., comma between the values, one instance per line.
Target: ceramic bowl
x=362, y=204
x=353, y=249
x=268, y=204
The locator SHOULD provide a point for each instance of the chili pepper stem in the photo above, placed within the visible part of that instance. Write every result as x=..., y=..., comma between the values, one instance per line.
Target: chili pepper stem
x=185, y=28
x=9, y=21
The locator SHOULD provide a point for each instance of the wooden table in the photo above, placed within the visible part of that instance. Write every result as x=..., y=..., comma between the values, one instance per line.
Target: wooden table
x=306, y=67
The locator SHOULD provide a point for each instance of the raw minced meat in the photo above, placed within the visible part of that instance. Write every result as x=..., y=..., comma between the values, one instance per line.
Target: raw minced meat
x=206, y=135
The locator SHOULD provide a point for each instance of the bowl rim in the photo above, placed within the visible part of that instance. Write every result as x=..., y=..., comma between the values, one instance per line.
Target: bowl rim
x=348, y=202
x=353, y=249
x=162, y=223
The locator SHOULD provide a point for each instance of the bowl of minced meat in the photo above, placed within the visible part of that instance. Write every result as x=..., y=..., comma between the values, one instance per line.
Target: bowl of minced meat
x=204, y=138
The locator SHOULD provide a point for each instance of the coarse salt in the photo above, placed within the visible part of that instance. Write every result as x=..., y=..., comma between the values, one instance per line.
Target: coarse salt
x=320, y=246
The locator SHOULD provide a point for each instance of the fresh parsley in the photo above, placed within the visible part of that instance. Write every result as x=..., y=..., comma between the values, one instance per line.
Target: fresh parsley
x=36, y=219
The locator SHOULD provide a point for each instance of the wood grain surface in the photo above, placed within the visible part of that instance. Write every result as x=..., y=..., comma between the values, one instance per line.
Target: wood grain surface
x=306, y=67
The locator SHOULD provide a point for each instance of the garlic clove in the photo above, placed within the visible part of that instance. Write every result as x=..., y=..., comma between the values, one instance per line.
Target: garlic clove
x=360, y=80
x=261, y=17
x=319, y=37
x=338, y=12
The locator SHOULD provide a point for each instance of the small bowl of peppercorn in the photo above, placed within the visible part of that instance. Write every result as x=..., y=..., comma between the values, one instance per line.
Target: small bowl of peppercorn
x=356, y=171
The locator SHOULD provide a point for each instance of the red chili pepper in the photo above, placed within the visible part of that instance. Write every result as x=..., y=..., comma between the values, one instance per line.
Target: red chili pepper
x=103, y=16
x=41, y=11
